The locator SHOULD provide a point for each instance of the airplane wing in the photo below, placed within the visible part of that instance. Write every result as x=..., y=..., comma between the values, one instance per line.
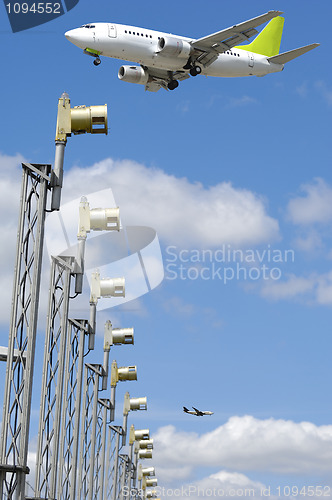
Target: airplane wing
x=212, y=45
x=159, y=78
x=198, y=412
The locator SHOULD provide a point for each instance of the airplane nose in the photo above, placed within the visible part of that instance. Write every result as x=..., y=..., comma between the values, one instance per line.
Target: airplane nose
x=76, y=36
x=72, y=35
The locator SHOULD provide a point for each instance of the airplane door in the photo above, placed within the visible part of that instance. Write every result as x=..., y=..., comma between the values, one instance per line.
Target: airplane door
x=112, y=30
x=251, y=61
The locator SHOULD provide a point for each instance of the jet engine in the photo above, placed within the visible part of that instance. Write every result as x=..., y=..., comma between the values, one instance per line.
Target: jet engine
x=174, y=47
x=133, y=74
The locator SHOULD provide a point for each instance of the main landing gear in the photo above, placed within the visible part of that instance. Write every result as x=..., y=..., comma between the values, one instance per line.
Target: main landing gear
x=97, y=61
x=195, y=70
x=172, y=85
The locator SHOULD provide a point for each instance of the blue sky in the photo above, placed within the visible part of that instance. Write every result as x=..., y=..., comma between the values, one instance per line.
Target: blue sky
x=242, y=162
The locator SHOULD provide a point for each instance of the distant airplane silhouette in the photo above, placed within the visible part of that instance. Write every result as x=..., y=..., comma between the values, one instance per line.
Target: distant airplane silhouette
x=198, y=413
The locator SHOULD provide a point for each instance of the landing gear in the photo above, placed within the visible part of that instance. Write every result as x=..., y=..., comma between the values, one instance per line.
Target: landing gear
x=172, y=85
x=195, y=70
x=97, y=61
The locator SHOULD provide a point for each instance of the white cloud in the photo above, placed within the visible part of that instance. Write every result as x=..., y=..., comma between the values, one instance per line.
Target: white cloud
x=224, y=484
x=325, y=91
x=314, y=206
x=182, y=212
x=292, y=287
x=177, y=306
x=324, y=289
x=311, y=241
x=246, y=444
x=315, y=288
x=302, y=90
x=236, y=102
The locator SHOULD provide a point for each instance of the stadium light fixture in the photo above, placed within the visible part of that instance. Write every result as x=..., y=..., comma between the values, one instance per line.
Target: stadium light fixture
x=95, y=219
x=113, y=336
x=77, y=120
x=108, y=287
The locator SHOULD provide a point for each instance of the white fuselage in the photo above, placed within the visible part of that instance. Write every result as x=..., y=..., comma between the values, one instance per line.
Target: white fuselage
x=140, y=45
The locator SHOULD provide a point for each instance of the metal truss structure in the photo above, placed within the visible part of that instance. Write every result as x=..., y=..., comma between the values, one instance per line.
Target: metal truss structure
x=78, y=451
x=69, y=442
x=91, y=459
x=22, y=334
x=53, y=377
x=112, y=460
x=124, y=476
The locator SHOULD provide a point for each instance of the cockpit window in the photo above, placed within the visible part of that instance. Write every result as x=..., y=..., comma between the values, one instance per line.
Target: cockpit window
x=88, y=26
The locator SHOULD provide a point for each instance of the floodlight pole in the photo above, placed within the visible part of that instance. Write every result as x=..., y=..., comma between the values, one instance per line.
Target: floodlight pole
x=36, y=181
x=57, y=175
x=79, y=120
x=60, y=144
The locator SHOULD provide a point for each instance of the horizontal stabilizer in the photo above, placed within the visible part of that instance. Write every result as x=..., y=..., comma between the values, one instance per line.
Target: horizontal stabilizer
x=291, y=54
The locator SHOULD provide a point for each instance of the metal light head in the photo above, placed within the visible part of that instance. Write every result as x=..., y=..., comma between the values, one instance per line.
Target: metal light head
x=117, y=336
x=79, y=120
x=145, y=454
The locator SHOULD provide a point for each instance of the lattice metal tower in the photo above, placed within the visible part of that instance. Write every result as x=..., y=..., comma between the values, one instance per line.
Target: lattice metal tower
x=23, y=327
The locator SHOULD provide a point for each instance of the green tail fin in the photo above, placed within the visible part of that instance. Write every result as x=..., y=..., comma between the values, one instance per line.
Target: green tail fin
x=268, y=41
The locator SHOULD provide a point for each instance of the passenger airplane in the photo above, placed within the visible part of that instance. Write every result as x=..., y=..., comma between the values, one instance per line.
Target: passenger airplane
x=198, y=413
x=166, y=59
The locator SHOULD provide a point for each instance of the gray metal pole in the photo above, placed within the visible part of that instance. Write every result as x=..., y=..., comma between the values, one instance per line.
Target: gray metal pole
x=135, y=470
x=92, y=325
x=57, y=175
x=80, y=265
x=124, y=429
x=22, y=335
x=113, y=389
x=105, y=369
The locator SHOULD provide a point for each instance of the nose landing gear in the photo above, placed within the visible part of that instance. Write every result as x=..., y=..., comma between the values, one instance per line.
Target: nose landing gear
x=97, y=61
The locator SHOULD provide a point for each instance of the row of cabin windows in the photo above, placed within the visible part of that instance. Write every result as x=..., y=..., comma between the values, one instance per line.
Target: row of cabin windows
x=138, y=34
x=147, y=36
